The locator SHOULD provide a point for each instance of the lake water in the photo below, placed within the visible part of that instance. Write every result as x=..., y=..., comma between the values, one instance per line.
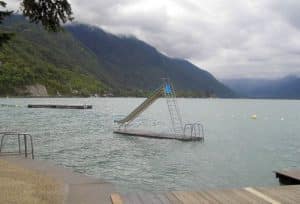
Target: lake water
x=237, y=152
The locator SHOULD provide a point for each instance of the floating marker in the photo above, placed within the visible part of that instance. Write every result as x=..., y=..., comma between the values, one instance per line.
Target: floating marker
x=253, y=116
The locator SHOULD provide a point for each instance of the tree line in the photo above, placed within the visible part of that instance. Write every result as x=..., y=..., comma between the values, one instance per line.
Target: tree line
x=50, y=13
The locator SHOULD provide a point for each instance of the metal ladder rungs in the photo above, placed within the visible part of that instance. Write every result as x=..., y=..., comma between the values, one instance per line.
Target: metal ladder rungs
x=175, y=117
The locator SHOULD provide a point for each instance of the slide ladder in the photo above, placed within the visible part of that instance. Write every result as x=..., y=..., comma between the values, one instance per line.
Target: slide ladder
x=166, y=90
x=176, y=120
x=188, y=132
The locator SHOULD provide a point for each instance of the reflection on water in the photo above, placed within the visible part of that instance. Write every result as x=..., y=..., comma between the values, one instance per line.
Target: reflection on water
x=238, y=150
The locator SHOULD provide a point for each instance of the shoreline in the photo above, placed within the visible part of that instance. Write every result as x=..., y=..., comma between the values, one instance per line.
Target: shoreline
x=78, y=188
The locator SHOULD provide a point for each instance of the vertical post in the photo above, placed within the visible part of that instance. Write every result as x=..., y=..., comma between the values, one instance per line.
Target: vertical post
x=202, y=130
x=25, y=143
x=32, y=152
x=19, y=143
x=2, y=138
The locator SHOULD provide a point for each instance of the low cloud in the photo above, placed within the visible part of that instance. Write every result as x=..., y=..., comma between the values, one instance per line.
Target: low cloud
x=229, y=38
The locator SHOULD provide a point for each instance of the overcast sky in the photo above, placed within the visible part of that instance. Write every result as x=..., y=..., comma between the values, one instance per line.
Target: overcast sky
x=229, y=38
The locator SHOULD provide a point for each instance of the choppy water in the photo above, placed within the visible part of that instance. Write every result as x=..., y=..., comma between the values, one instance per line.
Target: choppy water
x=238, y=151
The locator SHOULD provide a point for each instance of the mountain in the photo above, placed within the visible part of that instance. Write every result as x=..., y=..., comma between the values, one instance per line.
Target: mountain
x=57, y=61
x=85, y=60
x=287, y=87
x=136, y=65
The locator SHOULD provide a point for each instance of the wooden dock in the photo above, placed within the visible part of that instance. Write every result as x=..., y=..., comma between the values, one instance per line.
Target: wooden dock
x=287, y=177
x=60, y=106
x=273, y=195
x=155, y=135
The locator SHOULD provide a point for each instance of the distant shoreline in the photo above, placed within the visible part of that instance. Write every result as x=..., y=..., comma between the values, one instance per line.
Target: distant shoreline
x=240, y=98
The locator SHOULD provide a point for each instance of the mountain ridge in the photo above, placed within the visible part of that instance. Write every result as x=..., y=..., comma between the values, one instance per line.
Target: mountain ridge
x=85, y=59
x=144, y=58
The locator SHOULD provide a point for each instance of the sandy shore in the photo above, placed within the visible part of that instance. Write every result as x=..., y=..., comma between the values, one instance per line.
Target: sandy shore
x=46, y=182
x=20, y=185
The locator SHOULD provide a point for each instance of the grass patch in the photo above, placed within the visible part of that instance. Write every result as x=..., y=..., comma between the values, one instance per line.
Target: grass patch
x=20, y=185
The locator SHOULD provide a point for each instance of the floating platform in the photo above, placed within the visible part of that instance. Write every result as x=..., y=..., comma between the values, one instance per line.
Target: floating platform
x=288, y=177
x=155, y=135
x=60, y=106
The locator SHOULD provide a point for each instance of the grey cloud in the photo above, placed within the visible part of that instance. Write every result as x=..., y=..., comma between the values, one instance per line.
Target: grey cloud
x=289, y=9
x=226, y=37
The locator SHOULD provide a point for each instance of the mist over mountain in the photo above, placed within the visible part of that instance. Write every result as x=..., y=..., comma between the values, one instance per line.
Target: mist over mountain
x=287, y=87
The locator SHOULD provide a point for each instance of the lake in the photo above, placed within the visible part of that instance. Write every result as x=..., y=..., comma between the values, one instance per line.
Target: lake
x=238, y=151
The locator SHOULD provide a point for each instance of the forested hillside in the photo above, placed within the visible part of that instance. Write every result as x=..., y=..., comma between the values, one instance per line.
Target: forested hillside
x=84, y=60
x=55, y=60
x=134, y=64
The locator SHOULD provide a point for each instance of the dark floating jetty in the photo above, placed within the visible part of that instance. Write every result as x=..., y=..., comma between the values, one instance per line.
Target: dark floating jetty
x=60, y=106
x=154, y=135
x=288, y=177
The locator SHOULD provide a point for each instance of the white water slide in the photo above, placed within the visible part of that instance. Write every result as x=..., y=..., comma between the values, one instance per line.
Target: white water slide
x=166, y=90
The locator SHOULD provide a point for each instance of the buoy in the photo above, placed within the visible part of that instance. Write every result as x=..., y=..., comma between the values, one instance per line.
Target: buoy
x=253, y=116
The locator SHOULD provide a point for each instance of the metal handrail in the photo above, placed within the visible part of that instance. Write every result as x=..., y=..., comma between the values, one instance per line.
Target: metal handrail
x=196, y=130
x=25, y=135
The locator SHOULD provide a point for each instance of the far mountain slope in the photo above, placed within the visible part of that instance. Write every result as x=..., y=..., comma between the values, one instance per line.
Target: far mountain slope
x=287, y=87
x=133, y=64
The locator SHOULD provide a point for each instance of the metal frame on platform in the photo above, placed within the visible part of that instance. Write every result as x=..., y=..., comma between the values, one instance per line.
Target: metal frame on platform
x=193, y=130
x=18, y=135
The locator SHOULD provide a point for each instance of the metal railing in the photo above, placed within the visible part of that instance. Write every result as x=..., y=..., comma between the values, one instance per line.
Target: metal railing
x=5, y=134
x=194, y=130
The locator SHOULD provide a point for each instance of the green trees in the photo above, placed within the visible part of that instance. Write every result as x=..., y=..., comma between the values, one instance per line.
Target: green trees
x=56, y=60
x=4, y=36
x=4, y=14
x=11, y=77
x=16, y=73
x=50, y=13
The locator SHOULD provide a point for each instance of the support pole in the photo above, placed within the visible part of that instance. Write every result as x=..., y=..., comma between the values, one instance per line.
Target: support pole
x=19, y=143
x=25, y=144
x=32, y=152
x=2, y=139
